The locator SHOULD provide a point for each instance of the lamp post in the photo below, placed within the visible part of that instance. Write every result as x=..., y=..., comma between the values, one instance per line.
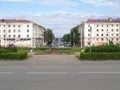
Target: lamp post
x=90, y=38
x=108, y=38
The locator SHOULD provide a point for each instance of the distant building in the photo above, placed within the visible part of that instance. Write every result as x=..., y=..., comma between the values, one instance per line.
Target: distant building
x=99, y=32
x=21, y=33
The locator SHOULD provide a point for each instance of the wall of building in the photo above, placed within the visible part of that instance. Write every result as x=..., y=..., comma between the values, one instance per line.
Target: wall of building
x=100, y=33
x=21, y=34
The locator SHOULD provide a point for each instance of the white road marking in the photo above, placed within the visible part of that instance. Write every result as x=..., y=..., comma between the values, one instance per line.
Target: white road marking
x=52, y=67
x=95, y=66
x=6, y=73
x=12, y=67
x=46, y=73
x=99, y=72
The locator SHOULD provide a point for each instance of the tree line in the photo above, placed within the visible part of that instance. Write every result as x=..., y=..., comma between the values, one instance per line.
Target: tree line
x=72, y=38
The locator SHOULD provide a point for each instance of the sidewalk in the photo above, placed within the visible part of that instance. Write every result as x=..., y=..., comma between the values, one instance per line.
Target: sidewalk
x=52, y=57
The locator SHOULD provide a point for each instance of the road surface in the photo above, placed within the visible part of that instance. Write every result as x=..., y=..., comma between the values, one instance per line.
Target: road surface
x=59, y=76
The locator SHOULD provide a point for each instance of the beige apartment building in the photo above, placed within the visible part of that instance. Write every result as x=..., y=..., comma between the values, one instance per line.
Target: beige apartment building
x=99, y=32
x=21, y=33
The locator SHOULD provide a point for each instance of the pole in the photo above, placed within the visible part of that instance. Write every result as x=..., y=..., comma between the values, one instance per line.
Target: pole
x=74, y=39
x=90, y=39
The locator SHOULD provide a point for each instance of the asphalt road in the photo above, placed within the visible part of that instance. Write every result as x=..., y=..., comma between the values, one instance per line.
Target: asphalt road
x=59, y=76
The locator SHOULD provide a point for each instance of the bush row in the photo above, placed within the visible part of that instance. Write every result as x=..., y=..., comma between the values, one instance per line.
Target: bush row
x=13, y=56
x=105, y=48
x=8, y=49
x=100, y=56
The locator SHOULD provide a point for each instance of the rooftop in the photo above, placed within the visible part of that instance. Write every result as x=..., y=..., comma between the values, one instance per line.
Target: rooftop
x=103, y=20
x=13, y=21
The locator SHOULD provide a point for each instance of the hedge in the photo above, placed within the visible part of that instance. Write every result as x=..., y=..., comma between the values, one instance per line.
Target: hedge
x=8, y=49
x=13, y=56
x=100, y=56
x=104, y=48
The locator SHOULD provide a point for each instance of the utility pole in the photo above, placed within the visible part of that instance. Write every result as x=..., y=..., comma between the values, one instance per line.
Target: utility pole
x=74, y=39
x=90, y=38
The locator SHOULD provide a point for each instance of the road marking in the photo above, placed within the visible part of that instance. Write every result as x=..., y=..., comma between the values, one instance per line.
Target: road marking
x=13, y=67
x=46, y=73
x=52, y=67
x=99, y=72
x=7, y=73
x=95, y=66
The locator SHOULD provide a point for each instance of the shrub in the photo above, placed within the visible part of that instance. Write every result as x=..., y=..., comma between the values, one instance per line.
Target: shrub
x=105, y=48
x=8, y=49
x=100, y=56
x=13, y=56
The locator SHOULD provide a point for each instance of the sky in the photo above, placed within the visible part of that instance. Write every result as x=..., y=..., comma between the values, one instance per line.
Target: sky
x=59, y=15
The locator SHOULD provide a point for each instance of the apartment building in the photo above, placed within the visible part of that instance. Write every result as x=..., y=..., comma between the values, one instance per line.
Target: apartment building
x=21, y=33
x=99, y=32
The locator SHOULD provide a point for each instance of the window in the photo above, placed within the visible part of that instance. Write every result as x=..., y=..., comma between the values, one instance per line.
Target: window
x=27, y=25
x=88, y=34
x=117, y=39
x=116, y=25
x=106, y=34
x=19, y=36
x=4, y=30
x=101, y=34
x=97, y=25
x=14, y=30
x=102, y=25
x=27, y=35
x=116, y=34
x=4, y=36
x=19, y=31
x=112, y=30
x=97, y=34
x=97, y=30
x=117, y=30
x=14, y=36
x=9, y=26
x=9, y=36
x=9, y=30
x=102, y=39
x=112, y=34
x=107, y=25
x=102, y=29
x=14, y=26
x=112, y=25
x=19, y=26
x=28, y=30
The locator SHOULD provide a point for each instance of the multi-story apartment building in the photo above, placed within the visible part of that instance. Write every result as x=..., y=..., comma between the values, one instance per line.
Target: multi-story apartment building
x=21, y=33
x=99, y=32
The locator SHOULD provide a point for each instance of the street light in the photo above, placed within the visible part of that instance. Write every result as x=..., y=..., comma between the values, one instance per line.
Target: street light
x=108, y=38
x=90, y=38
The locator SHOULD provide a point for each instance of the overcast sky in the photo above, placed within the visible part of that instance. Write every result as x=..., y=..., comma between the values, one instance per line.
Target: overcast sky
x=59, y=15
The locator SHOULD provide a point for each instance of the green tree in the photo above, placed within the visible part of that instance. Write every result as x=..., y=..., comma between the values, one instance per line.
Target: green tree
x=66, y=38
x=49, y=37
x=75, y=36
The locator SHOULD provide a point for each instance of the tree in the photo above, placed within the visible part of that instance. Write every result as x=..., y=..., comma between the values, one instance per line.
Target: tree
x=75, y=36
x=66, y=38
x=49, y=37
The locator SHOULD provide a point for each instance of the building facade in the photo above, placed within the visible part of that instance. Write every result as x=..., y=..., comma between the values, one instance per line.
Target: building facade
x=99, y=32
x=21, y=33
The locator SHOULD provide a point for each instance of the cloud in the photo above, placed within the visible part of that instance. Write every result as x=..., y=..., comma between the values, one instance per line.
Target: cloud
x=62, y=21
x=47, y=2
x=110, y=3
